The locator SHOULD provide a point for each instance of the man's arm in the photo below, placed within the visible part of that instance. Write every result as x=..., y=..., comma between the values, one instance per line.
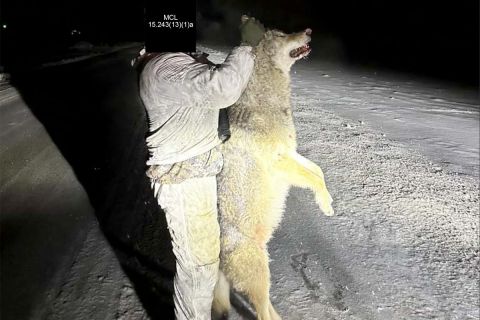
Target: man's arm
x=220, y=87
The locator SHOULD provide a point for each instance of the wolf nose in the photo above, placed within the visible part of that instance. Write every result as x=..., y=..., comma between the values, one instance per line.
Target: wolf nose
x=308, y=31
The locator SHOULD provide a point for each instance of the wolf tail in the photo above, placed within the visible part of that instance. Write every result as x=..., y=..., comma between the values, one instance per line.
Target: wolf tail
x=221, y=299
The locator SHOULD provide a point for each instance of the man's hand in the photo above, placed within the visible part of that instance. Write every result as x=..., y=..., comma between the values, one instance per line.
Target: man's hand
x=251, y=31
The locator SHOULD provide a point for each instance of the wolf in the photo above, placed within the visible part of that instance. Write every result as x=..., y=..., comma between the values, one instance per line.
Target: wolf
x=260, y=165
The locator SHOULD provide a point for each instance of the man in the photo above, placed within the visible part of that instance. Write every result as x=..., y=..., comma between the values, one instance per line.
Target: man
x=182, y=94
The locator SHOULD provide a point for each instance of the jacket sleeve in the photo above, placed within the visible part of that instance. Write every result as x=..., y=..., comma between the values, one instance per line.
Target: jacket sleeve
x=220, y=87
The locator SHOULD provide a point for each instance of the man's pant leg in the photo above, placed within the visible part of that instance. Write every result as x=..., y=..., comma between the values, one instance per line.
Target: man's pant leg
x=191, y=212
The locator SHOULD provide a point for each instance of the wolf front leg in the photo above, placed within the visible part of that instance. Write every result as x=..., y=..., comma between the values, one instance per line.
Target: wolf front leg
x=301, y=172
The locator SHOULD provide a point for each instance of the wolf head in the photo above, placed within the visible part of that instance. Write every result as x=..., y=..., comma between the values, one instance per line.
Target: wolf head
x=282, y=48
x=285, y=49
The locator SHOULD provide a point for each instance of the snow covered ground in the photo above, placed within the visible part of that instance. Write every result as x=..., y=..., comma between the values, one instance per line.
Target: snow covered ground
x=400, y=157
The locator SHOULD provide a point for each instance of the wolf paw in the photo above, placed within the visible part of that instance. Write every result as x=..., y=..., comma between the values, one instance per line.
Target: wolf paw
x=325, y=203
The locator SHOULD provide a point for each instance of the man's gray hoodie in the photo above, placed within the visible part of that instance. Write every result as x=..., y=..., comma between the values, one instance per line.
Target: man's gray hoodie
x=183, y=97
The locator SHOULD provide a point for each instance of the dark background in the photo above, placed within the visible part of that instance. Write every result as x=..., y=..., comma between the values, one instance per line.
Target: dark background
x=435, y=38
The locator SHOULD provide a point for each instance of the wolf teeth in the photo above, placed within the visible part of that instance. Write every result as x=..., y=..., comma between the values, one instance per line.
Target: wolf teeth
x=298, y=51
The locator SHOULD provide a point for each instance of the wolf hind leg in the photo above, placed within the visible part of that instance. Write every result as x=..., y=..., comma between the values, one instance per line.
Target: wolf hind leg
x=221, y=298
x=247, y=269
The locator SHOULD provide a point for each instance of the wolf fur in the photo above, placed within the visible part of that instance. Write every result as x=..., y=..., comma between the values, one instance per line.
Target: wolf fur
x=260, y=165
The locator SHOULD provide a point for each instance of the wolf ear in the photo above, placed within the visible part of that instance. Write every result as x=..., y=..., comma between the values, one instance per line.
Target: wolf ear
x=244, y=18
x=268, y=35
x=269, y=46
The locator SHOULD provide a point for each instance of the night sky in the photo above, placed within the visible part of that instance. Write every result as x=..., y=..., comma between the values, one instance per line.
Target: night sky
x=438, y=39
